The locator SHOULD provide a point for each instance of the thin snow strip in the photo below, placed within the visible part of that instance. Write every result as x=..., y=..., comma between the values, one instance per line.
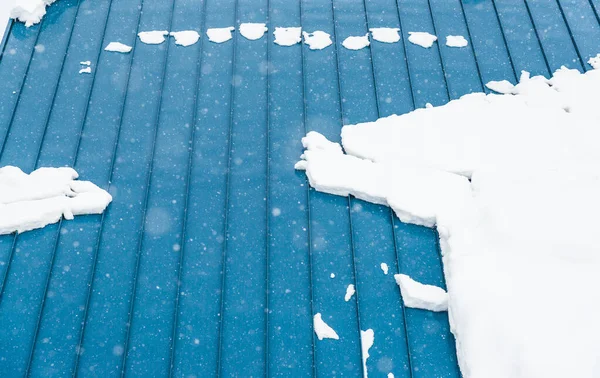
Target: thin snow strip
x=29, y=11
x=456, y=41
x=350, y=290
x=385, y=35
x=317, y=40
x=422, y=39
x=154, y=37
x=87, y=70
x=322, y=330
x=220, y=35
x=185, y=37
x=86, y=63
x=356, y=42
x=30, y=201
x=367, y=338
x=418, y=295
x=118, y=47
x=252, y=30
x=287, y=36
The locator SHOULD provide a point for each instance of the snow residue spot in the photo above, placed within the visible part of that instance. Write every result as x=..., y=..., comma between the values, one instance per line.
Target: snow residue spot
x=253, y=31
x=287, y=36
x=390, y=375
x=29, y=11
x=385, y=35
x=422, y=39
x=595, y=62
x=185, y=37
x=154, y=37
x=511, y=183
x=384, y=267
x=322, y=330
x=86, y=70
x=86, y=63
x=220, y=35
x=349, y=292
x=317, y=40
x=367, y=338
x=502, y=86
x=30, y=201
x=418, y=295
x=356, y=42
x=332, y=275
x=118, y=47
x=456, y=41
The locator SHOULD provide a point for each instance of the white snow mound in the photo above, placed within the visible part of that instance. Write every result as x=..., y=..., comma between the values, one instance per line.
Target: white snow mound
x=29, y=11
x=511, y=183
x=322, y=329
x=418, y=295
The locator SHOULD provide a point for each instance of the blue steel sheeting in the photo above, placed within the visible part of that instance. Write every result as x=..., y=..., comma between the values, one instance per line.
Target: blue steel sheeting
x=191, y=272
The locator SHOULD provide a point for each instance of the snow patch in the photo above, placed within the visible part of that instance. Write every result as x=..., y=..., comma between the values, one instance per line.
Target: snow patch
x=287, y=36
x=384, y=267
x=385, y=35
x=456, y=41
x=220, y=35
x=185, y=37
x=87, y=70
x=356, y=42
x=367, y=338
x=43, y=197
x=86, y=63
x=154, y=37
x=418, y=295
x=322, y=330
x=350, y=290
x=253, y=31
x=595, y=62
x=502, y=86
x=118, y=47
x=29, y=11
x=422, y=39
x=317, y=40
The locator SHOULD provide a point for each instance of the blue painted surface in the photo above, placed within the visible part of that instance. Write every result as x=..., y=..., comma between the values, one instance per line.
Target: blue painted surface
x=215, y=254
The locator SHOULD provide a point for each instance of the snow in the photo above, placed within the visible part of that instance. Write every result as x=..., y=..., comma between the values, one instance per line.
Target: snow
x=220, y=35
x=28, y=11
x=332, y=275
x=384, y=267
x=356, y=42
x=118, y=47
x=86, y=63
x=456, y=41
x=317, y=40
x=287, y=36
x=185, y=37
x=30, y=201
x=367, y=338
x=511, y=183
x=154, y=37
x=253, y=31
x=422, y=39
x=322, y=330
x=595, y=62
x=501, y=86
x=418, y=295
x=86, y=70
x=350, y=290
x=385, y=35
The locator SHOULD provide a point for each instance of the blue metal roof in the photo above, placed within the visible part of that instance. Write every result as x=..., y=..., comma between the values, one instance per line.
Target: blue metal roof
x=190, y=271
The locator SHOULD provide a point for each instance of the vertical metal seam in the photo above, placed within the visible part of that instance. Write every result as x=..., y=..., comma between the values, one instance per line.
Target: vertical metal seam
x=268, y=197
x=564, y=17
x=537, y=35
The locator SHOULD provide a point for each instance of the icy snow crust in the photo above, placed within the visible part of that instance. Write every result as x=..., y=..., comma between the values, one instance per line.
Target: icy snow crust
x=512, y=184
x=30, y=201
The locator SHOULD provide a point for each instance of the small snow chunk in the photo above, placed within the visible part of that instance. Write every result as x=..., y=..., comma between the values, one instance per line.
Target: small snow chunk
x=595, y=62
x=390, y=375
x=287, y=36
x=385, y=35
x=253, y=30
x=301, y=165
x=29, y=11
x=428, y=105
x=87, y=70
x=367, y=338
x=185, y=37
x=418, y=295
x=384, y=268
x=154, y=37
x=332, y=275
x=86, y=63
x=322, y=330
x=503, y=86
x=316, y=141
x=350, y=290
x=356, y=42
x=220, y=35
x=456, y=41
x=317, y=40
x=422, y=39
x=118, y=47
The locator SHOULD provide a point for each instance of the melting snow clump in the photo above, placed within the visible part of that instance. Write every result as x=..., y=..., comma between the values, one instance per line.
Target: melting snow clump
x=154, y=37
x=511, y=183
x=185, y=37
x=118, y=47
x=367, y=338
x=356, y=42
x=384, y=268
x=253, y=31
x=322, y=330
x=501, y=86
x=29, y=11
x=422, y=39
x=87, y=70
x=287, y=36
x=317, y=40
x=30, y=201
x=350, y=290
x=595, y=62
x=220, y=35
x=385, y=35
x=418, y=295
x=456, y=41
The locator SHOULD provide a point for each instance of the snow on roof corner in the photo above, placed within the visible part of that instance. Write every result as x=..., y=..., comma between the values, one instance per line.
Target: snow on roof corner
x=29, y=11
